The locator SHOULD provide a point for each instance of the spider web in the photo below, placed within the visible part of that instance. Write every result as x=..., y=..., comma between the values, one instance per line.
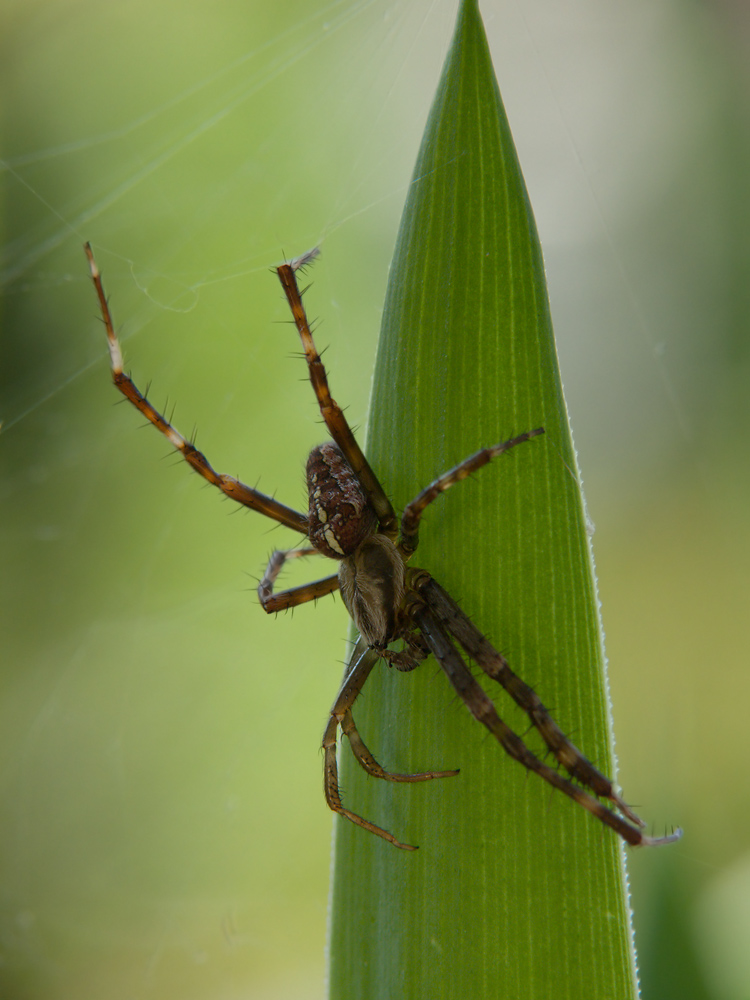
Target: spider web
x=157, y=727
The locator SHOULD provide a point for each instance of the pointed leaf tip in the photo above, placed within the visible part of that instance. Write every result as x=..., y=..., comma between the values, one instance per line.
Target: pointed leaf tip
x=467, y=359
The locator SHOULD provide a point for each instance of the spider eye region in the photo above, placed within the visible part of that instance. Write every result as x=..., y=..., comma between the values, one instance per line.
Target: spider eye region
x=340, y=514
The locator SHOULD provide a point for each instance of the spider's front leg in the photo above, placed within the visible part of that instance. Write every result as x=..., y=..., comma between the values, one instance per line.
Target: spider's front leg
x=495, y=666
x=362, y=661
x=484, y=711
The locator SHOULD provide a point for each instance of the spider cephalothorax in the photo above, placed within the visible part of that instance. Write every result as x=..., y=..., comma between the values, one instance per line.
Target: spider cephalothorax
x=344, y=525
x=350, y=519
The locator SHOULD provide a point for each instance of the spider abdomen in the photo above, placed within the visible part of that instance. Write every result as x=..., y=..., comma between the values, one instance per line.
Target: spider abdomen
x=341, y=515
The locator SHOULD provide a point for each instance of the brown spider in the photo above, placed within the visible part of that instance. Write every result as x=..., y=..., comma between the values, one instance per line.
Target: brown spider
x=351, y=519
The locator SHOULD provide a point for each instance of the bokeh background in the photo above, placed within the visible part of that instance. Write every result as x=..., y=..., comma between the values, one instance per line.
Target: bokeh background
x=162, y=827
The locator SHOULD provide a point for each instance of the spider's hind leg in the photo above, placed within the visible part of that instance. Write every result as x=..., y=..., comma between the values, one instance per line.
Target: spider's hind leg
x=331, y=412
x=229, y=486
x=409, y=537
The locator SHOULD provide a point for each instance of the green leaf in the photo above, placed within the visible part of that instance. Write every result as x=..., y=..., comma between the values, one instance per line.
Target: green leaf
x=515, y=891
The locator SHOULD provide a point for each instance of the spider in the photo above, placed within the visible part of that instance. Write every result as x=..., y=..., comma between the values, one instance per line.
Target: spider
x=351, y=520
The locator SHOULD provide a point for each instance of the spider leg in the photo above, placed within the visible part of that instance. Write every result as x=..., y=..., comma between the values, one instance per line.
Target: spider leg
x=230, y=486
x=482, y=708
x=330, y=410
x=295, y=595
x=358, y=670
x=407, y=659
x=409, y=538
x=496, y=667
x=368, y=762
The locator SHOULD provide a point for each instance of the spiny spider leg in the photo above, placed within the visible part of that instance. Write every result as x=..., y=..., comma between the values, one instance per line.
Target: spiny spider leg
x=295, y=595
x=483, y=710
x=230, y=486
x=358, y=669
x=367, y=761
x=361, y=664
x=330, y=410
x=409, y=538
x=495, y=666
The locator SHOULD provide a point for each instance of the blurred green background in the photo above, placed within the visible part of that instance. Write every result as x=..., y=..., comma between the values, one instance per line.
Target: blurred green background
x=163, y=830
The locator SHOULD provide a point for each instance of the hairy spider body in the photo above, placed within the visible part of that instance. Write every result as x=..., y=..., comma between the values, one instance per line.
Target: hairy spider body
x=372, y=584
x=350, y=519
x=341, y=515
